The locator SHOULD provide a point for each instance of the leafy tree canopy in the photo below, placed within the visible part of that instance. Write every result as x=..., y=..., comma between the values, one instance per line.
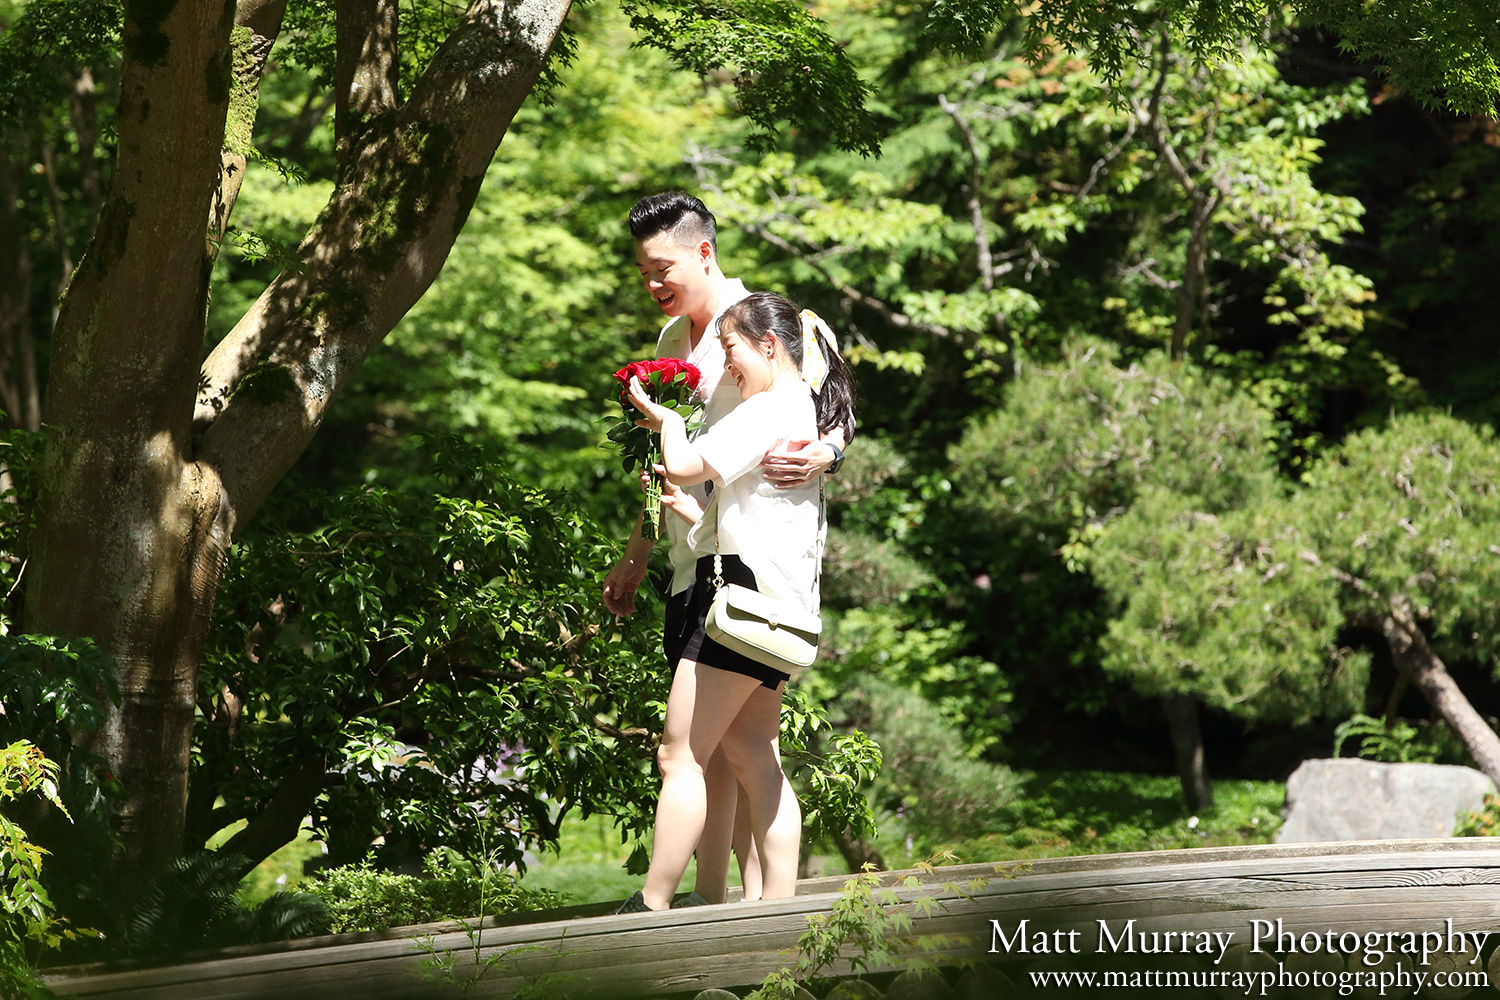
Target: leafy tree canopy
x=1447, y=54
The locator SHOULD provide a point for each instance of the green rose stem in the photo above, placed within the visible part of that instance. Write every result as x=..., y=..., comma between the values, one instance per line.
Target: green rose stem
x=651, y=519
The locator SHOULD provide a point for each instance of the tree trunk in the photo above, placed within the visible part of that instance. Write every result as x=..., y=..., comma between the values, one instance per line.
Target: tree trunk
x=130, y=537
x=19, y=394
x=1416, y=661
x=857, y=851
x=145, y=482
x=1187, y=745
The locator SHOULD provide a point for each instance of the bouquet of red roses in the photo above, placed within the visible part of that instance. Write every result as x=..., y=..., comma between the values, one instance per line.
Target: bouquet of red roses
x=670, y=382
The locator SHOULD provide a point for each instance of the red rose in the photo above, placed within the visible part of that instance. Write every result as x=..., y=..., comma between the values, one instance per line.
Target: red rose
x=666, y=380
x=660, y=372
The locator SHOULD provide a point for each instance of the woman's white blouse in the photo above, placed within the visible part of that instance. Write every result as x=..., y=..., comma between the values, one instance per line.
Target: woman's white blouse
x=779, y=533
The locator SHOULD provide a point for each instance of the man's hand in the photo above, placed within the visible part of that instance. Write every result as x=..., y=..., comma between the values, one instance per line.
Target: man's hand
x=622, y=583
x=796, y=462
x=673, y=497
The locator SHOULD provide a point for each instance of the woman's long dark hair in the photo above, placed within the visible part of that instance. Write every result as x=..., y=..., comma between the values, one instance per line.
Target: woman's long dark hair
x=762, y=314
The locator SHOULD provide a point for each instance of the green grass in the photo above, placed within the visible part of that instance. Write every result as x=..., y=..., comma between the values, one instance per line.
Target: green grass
x=589, y=864
x=1097, y=812
x=280, y=871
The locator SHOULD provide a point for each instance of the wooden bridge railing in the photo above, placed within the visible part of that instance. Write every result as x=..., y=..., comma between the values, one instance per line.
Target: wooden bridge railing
x=1397, y=888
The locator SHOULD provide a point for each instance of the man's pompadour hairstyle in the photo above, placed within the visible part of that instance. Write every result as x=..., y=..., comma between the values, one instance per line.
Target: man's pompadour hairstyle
x=675, y=212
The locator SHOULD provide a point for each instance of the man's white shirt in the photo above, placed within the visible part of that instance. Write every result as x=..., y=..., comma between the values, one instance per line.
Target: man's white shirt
x=708, y=356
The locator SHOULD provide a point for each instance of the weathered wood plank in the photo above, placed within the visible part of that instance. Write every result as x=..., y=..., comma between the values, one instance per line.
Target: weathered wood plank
x=1398, y=886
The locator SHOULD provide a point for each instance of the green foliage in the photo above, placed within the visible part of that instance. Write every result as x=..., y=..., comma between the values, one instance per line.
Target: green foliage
x=864, y=570
x=337, y=639
x=867, y=561
x=43, y=43
x=50, y=689
x=1225, y=608
x=1484, y=822
x=362, y=897
x=513, y=345
x=834, y=777
x=1397, y=741
x=1445, y=54
x=1112, y=33
x=927, y=658
x=1160, y=475
x=870, y=926
x=194, y=906
x=29, y=925
x=939, y=790
x=786, y=66
x=1410, y=511
x=446, y=658
x=1060, y=814
x=1075, y=445
x=1074, y=217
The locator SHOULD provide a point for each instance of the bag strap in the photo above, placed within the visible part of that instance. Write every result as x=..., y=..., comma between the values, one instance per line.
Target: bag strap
x=718, y=559
x=822, y=538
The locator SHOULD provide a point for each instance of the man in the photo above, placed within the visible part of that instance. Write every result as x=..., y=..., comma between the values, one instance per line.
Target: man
x=677, y=253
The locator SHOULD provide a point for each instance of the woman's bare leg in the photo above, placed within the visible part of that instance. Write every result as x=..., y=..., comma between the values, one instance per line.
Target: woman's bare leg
x=744, y=842
x=703, y=702
x=753, y=747
x=721, y=826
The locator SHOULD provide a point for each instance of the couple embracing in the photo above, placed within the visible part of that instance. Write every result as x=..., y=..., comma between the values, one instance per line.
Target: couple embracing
x=741, y=504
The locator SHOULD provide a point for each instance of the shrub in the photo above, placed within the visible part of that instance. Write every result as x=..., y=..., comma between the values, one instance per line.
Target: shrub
x=1484, y=822
x=942, y=792
x=364, y=898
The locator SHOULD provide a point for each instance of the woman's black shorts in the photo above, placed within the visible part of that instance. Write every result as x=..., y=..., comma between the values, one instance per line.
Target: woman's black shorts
x=687, y=613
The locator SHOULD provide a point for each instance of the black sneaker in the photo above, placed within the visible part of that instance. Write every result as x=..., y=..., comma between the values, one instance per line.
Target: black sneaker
x=691, y=899
x=635, y=904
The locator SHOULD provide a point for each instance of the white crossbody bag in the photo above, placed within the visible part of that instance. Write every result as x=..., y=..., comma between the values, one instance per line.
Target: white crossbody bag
x=769, y=630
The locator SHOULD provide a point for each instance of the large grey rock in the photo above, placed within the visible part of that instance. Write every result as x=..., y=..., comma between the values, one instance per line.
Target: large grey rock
x=1350, y=799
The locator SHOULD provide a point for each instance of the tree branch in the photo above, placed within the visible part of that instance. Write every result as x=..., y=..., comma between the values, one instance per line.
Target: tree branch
x=366, y=66
x=256, y=25
x=277, y=824
x=1203, y=200
x=406, y=186
x=895, y=317
x=976, y=210
x=1110, y=155
x=1415, y=658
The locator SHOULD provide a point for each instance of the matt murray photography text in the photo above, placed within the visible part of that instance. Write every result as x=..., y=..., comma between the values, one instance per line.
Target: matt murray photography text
x=1269, y=936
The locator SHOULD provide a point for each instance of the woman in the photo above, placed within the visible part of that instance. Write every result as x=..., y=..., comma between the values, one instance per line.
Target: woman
x=791, y=382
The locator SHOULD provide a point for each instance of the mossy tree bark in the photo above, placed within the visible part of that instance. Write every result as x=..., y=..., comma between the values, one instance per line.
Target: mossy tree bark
x=153, y=462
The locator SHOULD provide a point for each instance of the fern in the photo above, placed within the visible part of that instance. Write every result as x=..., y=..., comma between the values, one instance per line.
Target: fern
x=195, y=906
